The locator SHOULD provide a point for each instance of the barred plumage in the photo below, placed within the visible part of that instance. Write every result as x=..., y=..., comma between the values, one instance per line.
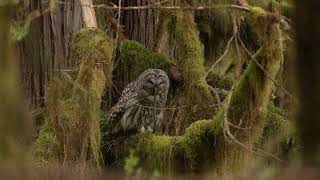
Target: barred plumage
x=141, y=102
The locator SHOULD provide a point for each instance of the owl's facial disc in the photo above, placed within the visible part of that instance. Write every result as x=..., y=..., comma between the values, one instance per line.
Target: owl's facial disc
x=153, y=88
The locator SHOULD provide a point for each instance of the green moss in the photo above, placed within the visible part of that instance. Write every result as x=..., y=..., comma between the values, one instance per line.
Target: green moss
x=169, y=154
x=46, y=147
x=248, y=106
x=73, y=105
x=189, y=51
x=275, y=123
x=92, y=46
x=135, y=58
x=200, y=135
x=250, y=98
x=158, y=152
x=217, y=82
x=190, y=61
x=131, y=162
x=257, y=11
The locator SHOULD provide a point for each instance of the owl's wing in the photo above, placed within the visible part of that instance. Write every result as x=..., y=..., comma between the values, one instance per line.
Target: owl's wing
x=127, y=99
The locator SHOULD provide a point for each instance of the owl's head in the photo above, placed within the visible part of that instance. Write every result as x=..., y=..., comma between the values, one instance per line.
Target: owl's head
x=153, y=87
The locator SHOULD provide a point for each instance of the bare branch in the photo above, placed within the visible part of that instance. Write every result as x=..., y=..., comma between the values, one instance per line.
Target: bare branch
x=222, y=56
x=118, y=24
x=229, y=137
x=265, y=72
x=158, y=6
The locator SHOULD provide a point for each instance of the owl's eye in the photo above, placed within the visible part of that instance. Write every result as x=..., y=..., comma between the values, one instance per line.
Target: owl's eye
x=163, y=82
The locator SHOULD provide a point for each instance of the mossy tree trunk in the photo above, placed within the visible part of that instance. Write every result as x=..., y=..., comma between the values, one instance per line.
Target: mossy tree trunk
x=190, y=60
x=248, y=105
x=71, y=133
x=204, y=142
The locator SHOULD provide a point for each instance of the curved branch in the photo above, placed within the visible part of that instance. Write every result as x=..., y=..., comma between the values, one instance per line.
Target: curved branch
x=203, y=142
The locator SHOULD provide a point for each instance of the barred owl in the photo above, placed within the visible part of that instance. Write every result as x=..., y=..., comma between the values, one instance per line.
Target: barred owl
x=141, y=103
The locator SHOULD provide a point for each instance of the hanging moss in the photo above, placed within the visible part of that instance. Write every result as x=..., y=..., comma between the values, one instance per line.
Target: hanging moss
x=71, y=132
x=92, y=46
x=275, y=123
x=46, y=148
x=280, y=133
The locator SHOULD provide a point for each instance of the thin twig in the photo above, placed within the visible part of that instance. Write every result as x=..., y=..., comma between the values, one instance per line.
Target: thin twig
x=66, y=70
x=118, y=24
x=216, y=94
x=225, y=123
x=239, y=127
x=229, y=136
x=150, y=107
x=157, y=6
x=222, y=56
x=265, y=72
x=238, y=68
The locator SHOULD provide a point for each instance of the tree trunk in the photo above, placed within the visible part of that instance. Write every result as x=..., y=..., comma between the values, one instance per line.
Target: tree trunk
x=45, y=50
x=89, y=14
x=139, y=25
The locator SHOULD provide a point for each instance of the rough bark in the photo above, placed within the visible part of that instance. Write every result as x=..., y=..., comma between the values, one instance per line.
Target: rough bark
x=139, y=24
x=45, y=50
